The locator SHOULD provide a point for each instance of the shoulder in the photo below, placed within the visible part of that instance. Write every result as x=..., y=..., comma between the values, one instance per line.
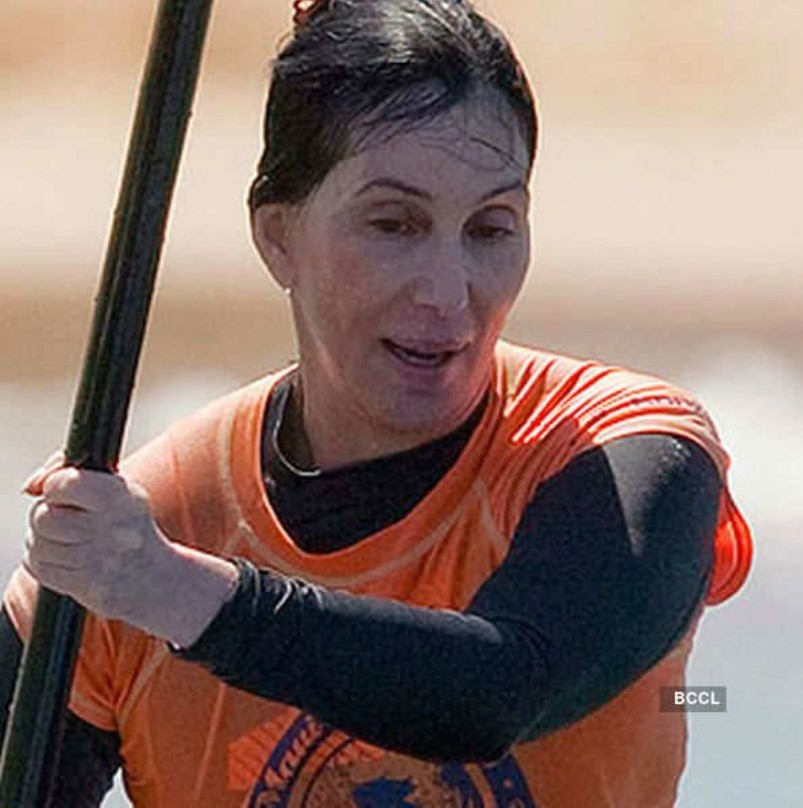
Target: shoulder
x=556, y=408
x=532, y=375
x=585, y=403
x=549, y=409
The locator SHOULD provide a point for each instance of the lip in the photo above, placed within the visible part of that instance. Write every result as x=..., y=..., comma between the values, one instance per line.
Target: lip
x=424, y=355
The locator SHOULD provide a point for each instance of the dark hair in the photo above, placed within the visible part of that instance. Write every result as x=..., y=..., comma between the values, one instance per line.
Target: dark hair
x=405, y=61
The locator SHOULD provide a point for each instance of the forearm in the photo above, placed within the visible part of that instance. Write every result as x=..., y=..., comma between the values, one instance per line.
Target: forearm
x=432, y=683
x=601, y=581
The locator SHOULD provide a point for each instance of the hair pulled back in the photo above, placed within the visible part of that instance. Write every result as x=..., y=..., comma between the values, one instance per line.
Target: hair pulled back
x=388, y=62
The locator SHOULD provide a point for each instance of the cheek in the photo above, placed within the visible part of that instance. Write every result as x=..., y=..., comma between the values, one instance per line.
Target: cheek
x=498, y=281
x=342, y=295
x=363, y=279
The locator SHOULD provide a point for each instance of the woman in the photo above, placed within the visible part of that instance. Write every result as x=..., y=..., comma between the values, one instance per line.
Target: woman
x=421, y=566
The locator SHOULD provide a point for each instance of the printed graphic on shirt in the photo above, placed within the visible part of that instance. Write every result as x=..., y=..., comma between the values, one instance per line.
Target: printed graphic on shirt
x=315, y=766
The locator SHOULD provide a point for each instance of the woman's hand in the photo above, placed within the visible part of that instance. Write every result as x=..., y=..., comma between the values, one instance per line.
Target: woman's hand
x=93, y=537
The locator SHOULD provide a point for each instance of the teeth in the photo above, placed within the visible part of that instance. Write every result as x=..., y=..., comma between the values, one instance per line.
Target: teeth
x=418, y=357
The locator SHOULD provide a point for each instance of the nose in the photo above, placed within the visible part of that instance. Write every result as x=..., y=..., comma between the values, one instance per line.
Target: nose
x=443, y=282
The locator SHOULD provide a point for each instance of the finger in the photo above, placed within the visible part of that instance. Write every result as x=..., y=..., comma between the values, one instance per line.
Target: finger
x=61, y=524
x=54, y=578
x=35, y=514
x=84, y=489
x=33, y=485
x=48, y=556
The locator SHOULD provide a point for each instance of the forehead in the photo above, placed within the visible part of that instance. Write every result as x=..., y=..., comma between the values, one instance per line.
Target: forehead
x=476, y=142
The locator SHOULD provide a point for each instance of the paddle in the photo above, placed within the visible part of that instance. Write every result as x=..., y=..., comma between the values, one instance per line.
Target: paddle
x=31, y=747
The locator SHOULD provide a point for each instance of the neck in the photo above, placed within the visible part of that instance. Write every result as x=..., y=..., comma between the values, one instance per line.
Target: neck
x=292, y=436
x=324, y=438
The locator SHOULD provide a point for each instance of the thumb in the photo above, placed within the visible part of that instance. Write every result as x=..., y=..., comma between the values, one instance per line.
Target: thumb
x=35, y=483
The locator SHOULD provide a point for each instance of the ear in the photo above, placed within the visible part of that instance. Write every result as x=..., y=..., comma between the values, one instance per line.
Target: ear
x=270, y=230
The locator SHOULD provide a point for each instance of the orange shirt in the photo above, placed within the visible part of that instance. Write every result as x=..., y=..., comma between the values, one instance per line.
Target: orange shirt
x=189, y=740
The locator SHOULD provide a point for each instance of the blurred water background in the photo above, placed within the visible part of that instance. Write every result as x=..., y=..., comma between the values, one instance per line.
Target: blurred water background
x=668, y=238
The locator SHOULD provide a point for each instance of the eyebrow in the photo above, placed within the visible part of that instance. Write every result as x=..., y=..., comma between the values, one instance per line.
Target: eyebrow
x=398, y=185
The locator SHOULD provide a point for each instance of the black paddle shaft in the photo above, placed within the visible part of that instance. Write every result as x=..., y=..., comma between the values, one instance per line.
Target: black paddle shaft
x=35, y=728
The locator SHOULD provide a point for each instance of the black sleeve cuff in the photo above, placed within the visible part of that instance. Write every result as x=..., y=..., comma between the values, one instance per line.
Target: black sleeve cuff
x=221, y=648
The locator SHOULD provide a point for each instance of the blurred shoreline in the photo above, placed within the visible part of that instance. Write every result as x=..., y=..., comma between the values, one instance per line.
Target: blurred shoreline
x=246, y=332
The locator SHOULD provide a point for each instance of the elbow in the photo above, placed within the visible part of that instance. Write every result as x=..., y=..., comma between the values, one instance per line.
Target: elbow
x=471, y=739
x=448, y=735
x=498, y=714
x=490, y=738
x=491, y=750
x=486, y=747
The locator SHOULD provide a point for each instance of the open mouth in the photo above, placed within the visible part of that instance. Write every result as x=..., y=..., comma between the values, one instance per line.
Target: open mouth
x=418, y=357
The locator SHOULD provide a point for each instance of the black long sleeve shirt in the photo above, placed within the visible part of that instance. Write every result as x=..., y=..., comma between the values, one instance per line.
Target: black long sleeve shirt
x=609, y=563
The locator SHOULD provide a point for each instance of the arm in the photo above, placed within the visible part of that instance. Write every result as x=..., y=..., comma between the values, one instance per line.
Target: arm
x=608, y=566
x=89, y=756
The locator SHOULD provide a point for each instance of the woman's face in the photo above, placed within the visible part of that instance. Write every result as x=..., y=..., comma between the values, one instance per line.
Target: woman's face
x=402, y=267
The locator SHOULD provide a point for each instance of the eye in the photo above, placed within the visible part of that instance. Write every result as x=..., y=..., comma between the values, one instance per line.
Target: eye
x=390, y=226
x=489, y=232
x=492, y=225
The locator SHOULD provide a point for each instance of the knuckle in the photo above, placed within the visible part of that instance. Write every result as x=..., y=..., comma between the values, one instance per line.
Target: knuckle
x=29, y=565
x=139, y=496
x=136, y=490
x=32, y=549
x=57, y=479
x=109, y=488
x=34, y=567
x=36, y=514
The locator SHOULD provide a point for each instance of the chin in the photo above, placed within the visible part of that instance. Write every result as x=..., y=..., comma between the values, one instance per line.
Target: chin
x=425, y=418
